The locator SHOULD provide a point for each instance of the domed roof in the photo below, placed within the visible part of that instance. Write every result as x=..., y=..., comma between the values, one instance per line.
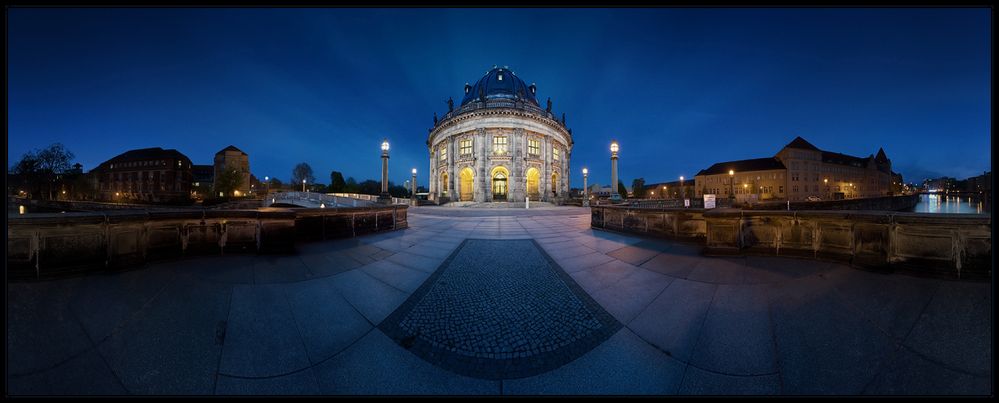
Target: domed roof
x=500, y=83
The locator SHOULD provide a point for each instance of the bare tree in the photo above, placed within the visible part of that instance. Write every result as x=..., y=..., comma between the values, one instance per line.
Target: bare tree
x=302, y=171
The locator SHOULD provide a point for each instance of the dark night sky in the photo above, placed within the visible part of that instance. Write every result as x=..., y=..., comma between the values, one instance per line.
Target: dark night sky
x=680, y=89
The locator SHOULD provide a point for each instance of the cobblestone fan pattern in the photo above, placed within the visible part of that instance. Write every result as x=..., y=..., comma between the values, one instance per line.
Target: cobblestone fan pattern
x=499, y=309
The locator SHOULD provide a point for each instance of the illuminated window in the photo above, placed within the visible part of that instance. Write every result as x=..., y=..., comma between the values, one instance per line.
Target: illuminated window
x=466, y=147
x=555, y=152
x=442, y=154
x=533, y=147
x=499, y=145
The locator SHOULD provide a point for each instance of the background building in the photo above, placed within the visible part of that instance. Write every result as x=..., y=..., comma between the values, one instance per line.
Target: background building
x=203, y=177
x=499, y=145
x=232, y=158
x=148, y=174
x=670, y=190
x=800, y=171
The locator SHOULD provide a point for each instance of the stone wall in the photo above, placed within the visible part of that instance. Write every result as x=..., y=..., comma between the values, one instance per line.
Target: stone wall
x=54, y=245
x=669, y=223
x=939, y=245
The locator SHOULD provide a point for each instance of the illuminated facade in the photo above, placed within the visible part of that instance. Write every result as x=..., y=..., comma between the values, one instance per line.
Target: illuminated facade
x=147, y=175
x=234, y=159
x=800, y=171
x=499, y=145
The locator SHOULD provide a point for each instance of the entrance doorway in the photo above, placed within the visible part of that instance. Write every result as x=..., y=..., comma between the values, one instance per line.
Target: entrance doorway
x=500, y=179
x=466, y=185
x=533, y=184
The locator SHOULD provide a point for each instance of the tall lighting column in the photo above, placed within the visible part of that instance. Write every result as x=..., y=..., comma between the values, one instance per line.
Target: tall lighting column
x=412, y=194
x=615, y=197
x=384, y=197
x=586, y=198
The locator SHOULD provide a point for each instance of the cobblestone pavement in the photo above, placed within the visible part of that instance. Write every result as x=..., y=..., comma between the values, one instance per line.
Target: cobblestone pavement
x=312, y=323
x=517, y=315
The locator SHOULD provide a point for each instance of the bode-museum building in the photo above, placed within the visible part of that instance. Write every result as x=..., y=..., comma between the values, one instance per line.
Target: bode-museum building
x=499, y=144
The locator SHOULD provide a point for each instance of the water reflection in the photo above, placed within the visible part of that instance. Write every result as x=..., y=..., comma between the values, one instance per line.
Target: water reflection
x=938, y=203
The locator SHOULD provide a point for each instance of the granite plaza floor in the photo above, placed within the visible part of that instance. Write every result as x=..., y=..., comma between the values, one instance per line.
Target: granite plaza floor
x=478, y=302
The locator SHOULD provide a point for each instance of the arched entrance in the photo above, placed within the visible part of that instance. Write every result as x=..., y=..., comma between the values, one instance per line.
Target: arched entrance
x=554, y=184
x=466, y=184
x=533, y=184
x=443, y=184
x=499, y=183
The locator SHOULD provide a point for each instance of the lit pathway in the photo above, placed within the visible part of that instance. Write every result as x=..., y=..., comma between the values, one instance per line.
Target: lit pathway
x=680, y=323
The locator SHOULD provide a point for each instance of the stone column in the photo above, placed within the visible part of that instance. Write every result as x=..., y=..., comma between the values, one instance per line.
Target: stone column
x=518, y=143
x=432, y=176
x=479, y=145
x=452, y=168
x=546, y=171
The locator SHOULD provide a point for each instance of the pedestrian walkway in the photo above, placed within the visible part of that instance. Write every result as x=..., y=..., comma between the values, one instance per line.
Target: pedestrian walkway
x=362, y=315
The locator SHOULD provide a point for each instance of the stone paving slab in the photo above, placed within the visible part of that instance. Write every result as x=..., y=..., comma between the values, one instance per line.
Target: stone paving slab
x=85, y=374
x=627, y=298
x=910, y=374
x=677, y=266
x=572, y=264
x=813, y=325
x=104, y=302
x=736, y=338
x=396, y=275
x=892, y=303
x=42, y=330
x=371, y=297
x=329, y=263
x=673, y=321
x=719, y=270
x=376, y=365
x=598, y=277
x=261, y=337
x=697, y=381
x=299, y=383
x=952, y=329
x=623, y=365
x=414, y=261
x=173, y=346
x=326, y=321
x=280, y=269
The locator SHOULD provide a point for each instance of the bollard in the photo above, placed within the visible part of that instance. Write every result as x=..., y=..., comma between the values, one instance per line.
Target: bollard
x=527, y=202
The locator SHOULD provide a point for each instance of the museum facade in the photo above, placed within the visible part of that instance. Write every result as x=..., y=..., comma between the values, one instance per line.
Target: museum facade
x=499, y=144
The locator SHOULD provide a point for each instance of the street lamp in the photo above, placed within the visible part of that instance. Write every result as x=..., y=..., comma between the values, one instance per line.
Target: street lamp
x=683, y=190
x=586, y=199
x=303, y=185
x=825, y=182
x=384, y=196
x=615, y=197
x=413, y=184
x=267, y=181
x=664, y=192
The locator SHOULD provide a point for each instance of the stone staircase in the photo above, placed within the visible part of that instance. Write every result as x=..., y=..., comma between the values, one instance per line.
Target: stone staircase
x=499, y=205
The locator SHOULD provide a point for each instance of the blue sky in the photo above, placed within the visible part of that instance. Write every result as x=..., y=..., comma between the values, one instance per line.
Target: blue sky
x=680, y=88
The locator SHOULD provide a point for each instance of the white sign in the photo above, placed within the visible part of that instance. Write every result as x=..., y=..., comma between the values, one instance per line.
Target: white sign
x=686, y=202
x=709, y=201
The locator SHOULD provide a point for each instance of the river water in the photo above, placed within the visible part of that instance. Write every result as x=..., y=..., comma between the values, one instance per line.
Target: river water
x=939, y=203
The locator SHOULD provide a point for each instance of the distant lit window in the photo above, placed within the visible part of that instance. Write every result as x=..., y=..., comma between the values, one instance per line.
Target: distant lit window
x=533, y=147
x=499, y=145
x=555, y=152
x=499, y=77
x=466, y=147
x=442, y=154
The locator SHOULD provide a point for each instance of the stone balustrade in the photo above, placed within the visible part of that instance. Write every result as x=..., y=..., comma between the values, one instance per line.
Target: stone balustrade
x=939, y=245
x=53, y=245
